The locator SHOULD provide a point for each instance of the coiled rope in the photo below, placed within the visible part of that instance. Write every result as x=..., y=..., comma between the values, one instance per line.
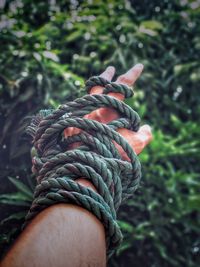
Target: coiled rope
x=97, y=159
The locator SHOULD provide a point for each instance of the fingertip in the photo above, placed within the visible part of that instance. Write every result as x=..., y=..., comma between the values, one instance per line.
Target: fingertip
x=146, y=128
x=110, y=69
x=146, y=131
x=131, y=75
x=139, y=66
x=136, y=71
x=108, y=73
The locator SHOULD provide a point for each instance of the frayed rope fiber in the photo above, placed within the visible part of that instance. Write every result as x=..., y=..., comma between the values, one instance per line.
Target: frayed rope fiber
x=57, y=166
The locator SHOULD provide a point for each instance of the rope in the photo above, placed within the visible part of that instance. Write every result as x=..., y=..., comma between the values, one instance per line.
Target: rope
x=57, y=167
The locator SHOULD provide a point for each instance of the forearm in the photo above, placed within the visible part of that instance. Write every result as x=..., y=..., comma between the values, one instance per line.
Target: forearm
x=61, y=235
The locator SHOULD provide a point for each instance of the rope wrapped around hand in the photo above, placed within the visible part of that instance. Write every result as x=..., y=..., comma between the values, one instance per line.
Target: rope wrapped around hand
x=96, y=159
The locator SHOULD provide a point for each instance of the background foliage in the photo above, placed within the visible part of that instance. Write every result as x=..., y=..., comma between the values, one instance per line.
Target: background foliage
x=48, y=49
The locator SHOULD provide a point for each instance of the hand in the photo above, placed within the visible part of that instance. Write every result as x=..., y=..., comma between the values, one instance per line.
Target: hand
x=138, y=140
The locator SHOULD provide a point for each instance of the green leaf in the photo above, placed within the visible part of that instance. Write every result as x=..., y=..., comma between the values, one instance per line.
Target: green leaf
x=126, y=226
x=14, y=216
x=74, y=36
x=194, y=203
x=14, y=202
x=17, y=196
x=22, y=187
x=152, y=24
x=124, y=246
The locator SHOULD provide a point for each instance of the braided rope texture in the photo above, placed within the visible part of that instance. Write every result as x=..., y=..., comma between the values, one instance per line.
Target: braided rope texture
x=57, y=166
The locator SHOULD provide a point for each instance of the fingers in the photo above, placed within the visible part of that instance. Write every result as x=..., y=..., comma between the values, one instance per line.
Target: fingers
x=137, y=140
x=130, y=77
x=108, y=75
x=106, y=115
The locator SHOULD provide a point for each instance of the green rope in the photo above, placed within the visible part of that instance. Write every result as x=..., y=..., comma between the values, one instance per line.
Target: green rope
x=57, y=167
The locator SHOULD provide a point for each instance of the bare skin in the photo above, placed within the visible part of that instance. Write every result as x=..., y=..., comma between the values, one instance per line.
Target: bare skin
x=67, y=235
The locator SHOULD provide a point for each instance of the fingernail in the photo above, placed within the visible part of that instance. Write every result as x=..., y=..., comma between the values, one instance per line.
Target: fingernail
x=147, y=128
x=110, y=69
x=139, y=66
x=146, y=132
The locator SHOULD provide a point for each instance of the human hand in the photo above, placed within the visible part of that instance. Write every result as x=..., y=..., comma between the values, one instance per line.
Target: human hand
x=137, y=140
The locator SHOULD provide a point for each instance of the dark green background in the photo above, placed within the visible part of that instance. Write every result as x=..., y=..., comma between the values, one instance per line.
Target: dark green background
x=49, y=48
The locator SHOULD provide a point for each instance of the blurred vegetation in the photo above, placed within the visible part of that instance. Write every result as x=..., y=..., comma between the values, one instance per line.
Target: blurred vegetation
x=49, y=48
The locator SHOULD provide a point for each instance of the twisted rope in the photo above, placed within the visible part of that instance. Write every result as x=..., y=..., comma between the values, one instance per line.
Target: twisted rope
x=97, y=159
